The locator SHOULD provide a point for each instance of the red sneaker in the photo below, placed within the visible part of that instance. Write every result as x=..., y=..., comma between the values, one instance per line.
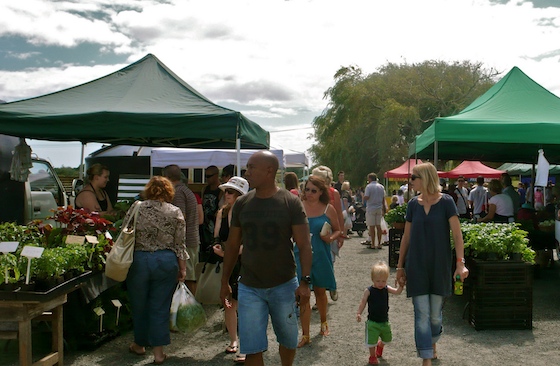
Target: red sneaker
x=373, y=360
x=379, y=349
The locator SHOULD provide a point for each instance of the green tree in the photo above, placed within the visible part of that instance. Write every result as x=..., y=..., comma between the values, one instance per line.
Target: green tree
x=371, y=119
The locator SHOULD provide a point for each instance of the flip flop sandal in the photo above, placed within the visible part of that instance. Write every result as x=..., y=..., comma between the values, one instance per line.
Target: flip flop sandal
x=231, y=349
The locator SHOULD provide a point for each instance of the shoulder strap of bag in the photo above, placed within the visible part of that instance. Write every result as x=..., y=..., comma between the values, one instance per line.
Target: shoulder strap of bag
x=133, y=215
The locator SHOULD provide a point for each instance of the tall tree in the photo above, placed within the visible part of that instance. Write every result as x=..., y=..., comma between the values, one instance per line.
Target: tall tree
x=371, y=119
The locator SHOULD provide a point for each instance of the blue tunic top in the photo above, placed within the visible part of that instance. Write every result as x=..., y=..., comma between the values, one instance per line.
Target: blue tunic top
x=428, y=260
x=322, y=270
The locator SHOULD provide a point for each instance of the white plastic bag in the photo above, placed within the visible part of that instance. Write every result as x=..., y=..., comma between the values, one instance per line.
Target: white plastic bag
x=186, y=314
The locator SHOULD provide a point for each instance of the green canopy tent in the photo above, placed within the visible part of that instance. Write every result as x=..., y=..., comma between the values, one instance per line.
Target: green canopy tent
x=144, y=104
x=509, y=123
x=526, y=169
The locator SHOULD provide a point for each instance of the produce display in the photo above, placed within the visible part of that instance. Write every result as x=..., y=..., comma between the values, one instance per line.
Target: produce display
x=61, y=258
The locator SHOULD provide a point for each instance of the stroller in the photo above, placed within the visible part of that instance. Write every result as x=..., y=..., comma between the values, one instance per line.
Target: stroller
x=359, y=224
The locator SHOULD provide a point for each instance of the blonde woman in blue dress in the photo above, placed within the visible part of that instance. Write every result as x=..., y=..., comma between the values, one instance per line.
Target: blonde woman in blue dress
x=316, y=204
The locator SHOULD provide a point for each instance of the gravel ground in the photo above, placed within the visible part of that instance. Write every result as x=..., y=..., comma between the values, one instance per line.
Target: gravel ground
x=461, y=344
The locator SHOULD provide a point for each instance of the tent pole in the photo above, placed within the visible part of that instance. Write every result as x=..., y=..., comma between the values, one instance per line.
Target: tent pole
x=435, y=155
x=238, y=148
x=82, y=166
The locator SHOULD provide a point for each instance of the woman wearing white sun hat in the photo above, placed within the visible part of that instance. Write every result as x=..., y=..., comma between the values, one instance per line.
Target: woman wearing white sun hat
x=233, y=188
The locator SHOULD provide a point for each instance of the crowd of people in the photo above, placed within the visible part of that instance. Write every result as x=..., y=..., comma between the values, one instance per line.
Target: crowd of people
x=279, y=246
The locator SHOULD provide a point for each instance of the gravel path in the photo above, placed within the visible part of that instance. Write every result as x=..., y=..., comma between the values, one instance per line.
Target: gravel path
x=461, y=344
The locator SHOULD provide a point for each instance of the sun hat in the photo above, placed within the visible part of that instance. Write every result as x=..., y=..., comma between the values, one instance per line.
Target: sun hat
x=239, y=184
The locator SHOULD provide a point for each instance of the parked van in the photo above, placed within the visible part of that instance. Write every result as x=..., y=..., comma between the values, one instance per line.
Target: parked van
x=33, y=199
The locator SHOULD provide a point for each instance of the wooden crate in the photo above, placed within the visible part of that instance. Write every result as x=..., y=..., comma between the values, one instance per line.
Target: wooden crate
x=500, y=295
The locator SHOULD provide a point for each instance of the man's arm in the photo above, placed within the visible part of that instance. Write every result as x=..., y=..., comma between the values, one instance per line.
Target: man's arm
x=300, y=234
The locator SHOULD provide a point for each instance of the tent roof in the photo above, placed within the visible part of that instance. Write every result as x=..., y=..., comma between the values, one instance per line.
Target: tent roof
x=525, y=169
x=287, y=158
x=404, y=170
x=144, y=103
x=508, y=123
x=472, y=169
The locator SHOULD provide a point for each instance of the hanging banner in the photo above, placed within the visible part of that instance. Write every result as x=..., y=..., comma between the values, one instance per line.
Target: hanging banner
x=542, y=170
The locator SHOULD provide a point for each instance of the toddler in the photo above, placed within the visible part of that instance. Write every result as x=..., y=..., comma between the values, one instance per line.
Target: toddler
x=377, y=299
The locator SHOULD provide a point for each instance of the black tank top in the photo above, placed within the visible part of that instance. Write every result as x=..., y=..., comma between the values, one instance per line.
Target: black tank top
x=378, y=304
x=103, y=204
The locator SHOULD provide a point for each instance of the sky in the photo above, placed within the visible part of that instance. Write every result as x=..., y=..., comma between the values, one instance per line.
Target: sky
x=272, y=60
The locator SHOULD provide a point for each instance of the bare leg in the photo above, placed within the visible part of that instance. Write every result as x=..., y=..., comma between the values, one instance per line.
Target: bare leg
x=231, y=323
x=305, y=317
x=371, y=230
x=322, y=306
x=256, y=359
x=159, y=356
x=379, y=235
x=286, y=355
x=426, y=362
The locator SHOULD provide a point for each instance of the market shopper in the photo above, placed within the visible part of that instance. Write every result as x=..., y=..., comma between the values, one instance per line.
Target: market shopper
x=160, y=257
x=500, y=205
x=425, y=259
x=233, y=188
x=319, y=211
x=265, y=220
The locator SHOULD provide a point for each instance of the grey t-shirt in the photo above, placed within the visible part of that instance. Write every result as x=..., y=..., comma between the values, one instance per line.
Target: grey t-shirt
x=266, y=226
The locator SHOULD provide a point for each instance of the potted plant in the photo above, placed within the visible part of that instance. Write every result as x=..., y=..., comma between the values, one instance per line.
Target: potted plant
x=396, y=216
x=9, y=272
x=493, y=241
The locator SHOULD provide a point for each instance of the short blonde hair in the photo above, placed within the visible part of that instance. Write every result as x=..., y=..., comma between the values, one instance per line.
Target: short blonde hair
x=345, y=185
x=379, y=269
x=430, y=180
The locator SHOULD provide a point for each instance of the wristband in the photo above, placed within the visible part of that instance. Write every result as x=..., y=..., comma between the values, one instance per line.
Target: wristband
x=400, y=269
x=462, y=260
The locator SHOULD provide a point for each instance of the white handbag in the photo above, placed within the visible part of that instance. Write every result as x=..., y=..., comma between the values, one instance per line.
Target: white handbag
x=121, y=255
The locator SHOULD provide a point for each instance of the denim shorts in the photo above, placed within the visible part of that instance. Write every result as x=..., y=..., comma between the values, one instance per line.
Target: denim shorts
x=254, y=307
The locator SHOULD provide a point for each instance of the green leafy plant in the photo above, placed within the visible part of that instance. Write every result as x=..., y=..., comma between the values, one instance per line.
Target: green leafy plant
x=9, y=267
x=500, y=239
x=396, y=214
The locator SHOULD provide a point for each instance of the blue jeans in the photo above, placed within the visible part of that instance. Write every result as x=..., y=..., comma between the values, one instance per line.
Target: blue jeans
x=151, y=281
x=428, y=324
x=254, y=307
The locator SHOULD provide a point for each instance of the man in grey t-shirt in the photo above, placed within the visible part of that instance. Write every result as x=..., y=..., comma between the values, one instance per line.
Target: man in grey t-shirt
x=375, y=209
x=265, y=220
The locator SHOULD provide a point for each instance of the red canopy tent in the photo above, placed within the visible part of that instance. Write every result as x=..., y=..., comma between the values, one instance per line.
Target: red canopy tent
x=404, y=170
x=472, y=169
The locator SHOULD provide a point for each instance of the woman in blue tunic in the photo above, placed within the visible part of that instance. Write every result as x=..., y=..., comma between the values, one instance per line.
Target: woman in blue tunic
x=425, y=259
x=316, y=204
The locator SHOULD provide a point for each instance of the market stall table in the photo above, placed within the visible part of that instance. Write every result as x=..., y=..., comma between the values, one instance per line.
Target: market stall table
x=23, y=312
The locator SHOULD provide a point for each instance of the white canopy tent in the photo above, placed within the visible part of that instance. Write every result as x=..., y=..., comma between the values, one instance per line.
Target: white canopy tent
x=220, y=158
x=202, y=158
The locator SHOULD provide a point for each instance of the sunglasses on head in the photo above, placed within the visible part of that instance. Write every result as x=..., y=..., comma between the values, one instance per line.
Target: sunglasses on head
x=414, y=177
x=230, y=191
x=312, y=190
x=210, y=175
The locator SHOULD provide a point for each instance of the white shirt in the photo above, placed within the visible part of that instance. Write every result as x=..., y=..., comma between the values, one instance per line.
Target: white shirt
x=504, y=205
x=478, y=198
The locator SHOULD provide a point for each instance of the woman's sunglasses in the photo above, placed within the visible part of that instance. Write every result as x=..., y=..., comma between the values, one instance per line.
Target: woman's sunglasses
x=230, y=191
x=413, y=177
x=312, y=190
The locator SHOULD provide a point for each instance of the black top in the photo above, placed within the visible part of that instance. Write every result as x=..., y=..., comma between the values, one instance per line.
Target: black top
x=378, y=304
x=103, y=204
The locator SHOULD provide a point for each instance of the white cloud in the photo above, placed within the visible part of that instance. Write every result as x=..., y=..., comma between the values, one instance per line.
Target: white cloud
x=276, y=58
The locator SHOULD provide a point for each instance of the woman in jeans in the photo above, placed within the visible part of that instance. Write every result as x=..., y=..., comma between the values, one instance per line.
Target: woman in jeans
x=425, y=259
x=159, y=262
